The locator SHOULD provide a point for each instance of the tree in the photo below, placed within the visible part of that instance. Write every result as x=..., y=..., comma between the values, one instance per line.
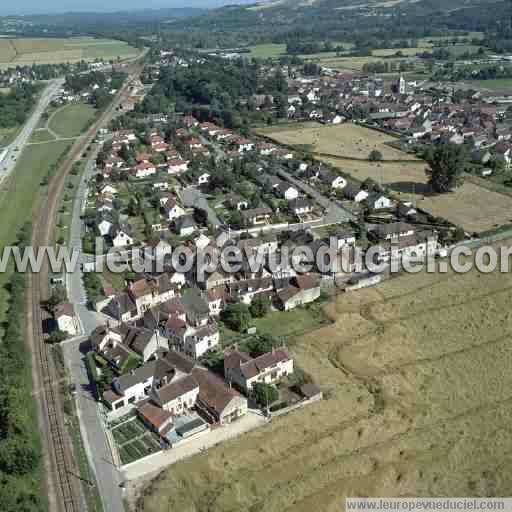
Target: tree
x=265, y=394
x=58, y=296
x=57, y=337
x=237, y=317
x=260, y=306
x=375, y=156
x=447, y=162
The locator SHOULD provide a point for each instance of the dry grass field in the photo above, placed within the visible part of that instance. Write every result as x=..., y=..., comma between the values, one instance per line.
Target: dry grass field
x=27, y=51
x=345, y=140
x=473, y=207
x=418, y=389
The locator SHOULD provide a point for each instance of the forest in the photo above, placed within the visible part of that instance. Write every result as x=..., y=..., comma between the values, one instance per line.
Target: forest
x=16, y=105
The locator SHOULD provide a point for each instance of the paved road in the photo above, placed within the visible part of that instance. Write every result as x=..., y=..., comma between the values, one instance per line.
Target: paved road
x=95, y=441
x=334, y=213
x=194, y=198
x=14, y=149
x=93, y=432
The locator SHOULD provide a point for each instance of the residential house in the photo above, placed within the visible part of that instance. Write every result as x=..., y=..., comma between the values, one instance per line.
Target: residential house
x=256, y=216
x=200, y=340
x=287, y=191
x=301, y=206
x=244, y=371
x=177, y=396
x=303, y=289
x=121, y=236
x=144, y=169
x=66, y=319
x=185, y=225
x=203, y=179
x=332, y=180
x=354, y=193
x=177, y=166
x=218, y=402
x=377, y=201
x=137, y=385
x=391, y=230
x=196, y=307
x=172, y=210
x=237, y=202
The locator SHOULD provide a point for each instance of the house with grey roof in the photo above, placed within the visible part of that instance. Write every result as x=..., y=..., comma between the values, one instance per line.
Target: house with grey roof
x=244, y=371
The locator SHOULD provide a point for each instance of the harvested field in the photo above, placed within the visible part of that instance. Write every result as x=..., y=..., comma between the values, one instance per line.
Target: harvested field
x=27, y=51
x=416, y=375
x=345, y=140
x=473, y=207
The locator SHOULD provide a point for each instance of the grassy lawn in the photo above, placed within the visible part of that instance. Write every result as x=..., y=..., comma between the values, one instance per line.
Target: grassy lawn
x=282, y=324
x=20, y=193
x=268, y=51
x=72, y=120
x=116, y=281
x=500, y=84
x=41, y=135
x=7, y=135
x=290, y=323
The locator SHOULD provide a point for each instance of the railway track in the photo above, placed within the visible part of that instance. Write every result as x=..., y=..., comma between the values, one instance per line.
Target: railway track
x=63, y=475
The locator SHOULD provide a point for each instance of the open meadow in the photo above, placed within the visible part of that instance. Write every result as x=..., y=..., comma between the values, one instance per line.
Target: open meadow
x=418, y=402
x=345, y=140
x=28, y=51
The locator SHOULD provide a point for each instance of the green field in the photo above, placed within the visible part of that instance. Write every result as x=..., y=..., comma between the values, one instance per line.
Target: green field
x=41, y=135
x=20, y=193
x=7, y=135
x=499, y=84
x=71, y=120
x=27, y=51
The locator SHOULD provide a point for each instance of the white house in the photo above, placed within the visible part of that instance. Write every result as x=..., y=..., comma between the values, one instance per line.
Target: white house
x=287, y=191
x=178, y=395
x=218, y=401
x=121, y=237
x=379, y=202
x=200, y=340
x=144, y=169
x=243, y=371
x=177, y=166
x=137, y=385
x=66, y=319
x=203, y=179
x=104, y=227
x=173, y=210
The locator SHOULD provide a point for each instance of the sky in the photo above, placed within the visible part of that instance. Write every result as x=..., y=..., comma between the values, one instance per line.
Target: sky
x=17, y=7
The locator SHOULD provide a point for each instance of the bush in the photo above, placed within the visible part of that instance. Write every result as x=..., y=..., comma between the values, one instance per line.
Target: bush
x=265, y=394
x=237, y=317
x=260, y=306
